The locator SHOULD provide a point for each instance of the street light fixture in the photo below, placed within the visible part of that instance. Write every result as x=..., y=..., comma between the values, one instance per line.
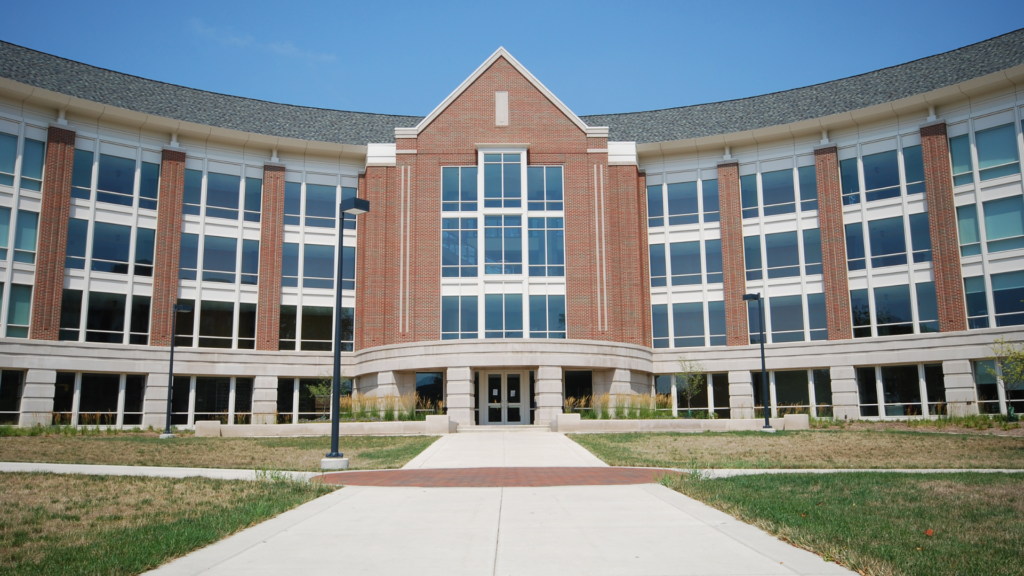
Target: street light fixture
x=353, y=206
x=170, y=373
x=764, y=372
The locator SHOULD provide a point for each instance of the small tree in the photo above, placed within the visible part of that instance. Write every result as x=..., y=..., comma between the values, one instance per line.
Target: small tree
x=1010, y=359
x=691, y=380
x=321, y=390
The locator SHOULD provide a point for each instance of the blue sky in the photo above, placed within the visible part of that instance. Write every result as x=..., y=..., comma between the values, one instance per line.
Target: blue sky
x=598, y=57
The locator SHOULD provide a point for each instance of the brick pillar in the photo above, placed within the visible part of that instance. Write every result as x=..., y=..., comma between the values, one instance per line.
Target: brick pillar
x=735, y=276
x=268, y=309
x=168, y=245
x=629, y=306
x=377, y=255
x=833, y=243
x=53, y=234
x=938, y=183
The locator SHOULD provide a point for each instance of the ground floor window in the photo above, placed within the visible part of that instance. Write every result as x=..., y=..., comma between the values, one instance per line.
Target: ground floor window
x=993, y=397
x=578, y=390
x=98, y=399
x=12, y=383
x=297, y=403
x=225, y=399
x=901, y=390
x=794, y=392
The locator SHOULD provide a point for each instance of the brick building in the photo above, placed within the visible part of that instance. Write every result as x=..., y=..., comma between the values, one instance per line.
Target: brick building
x=516, y=255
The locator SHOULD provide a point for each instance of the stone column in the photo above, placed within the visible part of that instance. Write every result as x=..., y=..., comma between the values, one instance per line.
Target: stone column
x=460, y=398
x=37, y=398
x=961, y=395
x=168, y=245
x=833, y=243
x=548, y=391
x=53, y=234
x=264, y=400
x=845, y=396
x=741, y=395
x=268, y=307
x=735, y=278
x=154, y=405
x=938, y=183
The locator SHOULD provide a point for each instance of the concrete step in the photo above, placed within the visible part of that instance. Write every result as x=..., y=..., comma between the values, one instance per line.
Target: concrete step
x=502, y=428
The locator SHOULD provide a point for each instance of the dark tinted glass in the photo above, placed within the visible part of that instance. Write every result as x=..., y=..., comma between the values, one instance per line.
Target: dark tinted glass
x=222, y=190
x=317, y=322
x=78, y=231
x=219, y=253
x=246, y=320
x=318, y=262
x=777, y=188
x=71, y=309
x=253, y=194
x=81, y=174
x=913, y=164
x=808, y=183
x=216, y=319
x=116, y=175
x=250, y=256
x=144, y=238
x=149, y=183
x=320, y=201
x=110, y=242
x=140, y=314
x=106, y=312
x=892, y=304
x=189, y=251
x=888, y=244
x=193, y=192
x=881, y=170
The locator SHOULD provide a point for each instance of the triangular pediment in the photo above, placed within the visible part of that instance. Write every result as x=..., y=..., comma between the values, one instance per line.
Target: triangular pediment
x=500, y=53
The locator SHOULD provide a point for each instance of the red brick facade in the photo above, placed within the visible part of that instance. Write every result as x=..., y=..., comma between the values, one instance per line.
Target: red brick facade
x=399, y=250
x=53, y=234
x=734, y=274
x=938, y=182
x=268, y=307
x=168, y=245
x=833, y=244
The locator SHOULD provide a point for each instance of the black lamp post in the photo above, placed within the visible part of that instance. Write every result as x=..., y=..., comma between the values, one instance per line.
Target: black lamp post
x=764, y=371
x=354, y=206
x=170, y=373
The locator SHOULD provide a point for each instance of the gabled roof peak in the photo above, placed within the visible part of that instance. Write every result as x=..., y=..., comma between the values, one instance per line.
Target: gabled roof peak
x=501, y=52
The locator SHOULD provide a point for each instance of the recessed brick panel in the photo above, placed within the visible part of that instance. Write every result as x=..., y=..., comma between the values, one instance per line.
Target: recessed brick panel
x=938, y=182
x=53, y=234
x=168, y=246
x=268, y=307
x=833, y=244
x=734, y=277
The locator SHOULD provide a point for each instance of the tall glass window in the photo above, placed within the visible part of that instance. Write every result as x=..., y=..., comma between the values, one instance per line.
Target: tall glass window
x=192, y=195
x=892, y=310
x=219, y=259
x=659, y=325
x=110, y=244
x=783, y=254
x=149, y=185
x=867, y=391
x=189, y=259
x=913, y=168
x=855, y=259
x=713, y=261
x=1004, y=223
x=502, y=181
x=246, y=326
x=977, y=302
x=543, y=187
x=105, y=322
x=25, y=234
x=850, y=181
x=184, y=324
x=19, y=310
x=503, y=244
x=253, y=199
x=81, y=175
x=927, y=307
x=458, y=189
x=655, y=208
x=458, y=247
x=754, y=321
x=292, y=203
x=960, y=154
x=685, y=260
x=287, y=326
x=688, y=321
x=8, y=158
x=321, y=206
x=503, y=315
x=546, y=237
x=967, y=223
x=921, y=237
x=901, y=390
x=881, y=176
x=777, y=191
x=250, y=261
x=5, y=230
x=144, y=246
x=222, y=192
x=748, y=195
x=787, y=318
x=32, y=159
x=318, y=266
x=817, y=316
x=138, y=329
x=318, y=327
x=716, y=323
x=348, y=219
x=116, y=181
x=459, y=317
x=997, y=152
x=70, y=315
x=216, y=324
x=808, y=187
x=1008, y=298
x=682, y=203
x=860, y=309
x=812, y=251
x=752, y=256
x=290, y=265
x=78, y=233
x=888, y=244
x=709, y=196
x=658, y=267
x=547, y=316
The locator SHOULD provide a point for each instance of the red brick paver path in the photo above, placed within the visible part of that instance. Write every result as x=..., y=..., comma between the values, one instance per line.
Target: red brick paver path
x=497, y=477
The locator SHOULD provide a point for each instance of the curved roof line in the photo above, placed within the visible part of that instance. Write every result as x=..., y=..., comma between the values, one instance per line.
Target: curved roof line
x=185, y=104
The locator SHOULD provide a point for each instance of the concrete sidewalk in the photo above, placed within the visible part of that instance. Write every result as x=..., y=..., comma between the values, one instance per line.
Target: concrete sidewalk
x=504, y=449
x=155, y=471
x=593, y=530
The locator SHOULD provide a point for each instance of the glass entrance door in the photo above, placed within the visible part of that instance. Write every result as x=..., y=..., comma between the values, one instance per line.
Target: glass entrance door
x=504, y=401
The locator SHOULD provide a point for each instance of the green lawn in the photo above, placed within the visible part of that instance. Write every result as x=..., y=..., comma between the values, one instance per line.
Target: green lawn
x=147, y=449
x=877, y=523
x=833, y=448
x=75, y=524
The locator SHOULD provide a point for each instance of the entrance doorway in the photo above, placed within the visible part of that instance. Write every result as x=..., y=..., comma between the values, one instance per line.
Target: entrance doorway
x=503, y=400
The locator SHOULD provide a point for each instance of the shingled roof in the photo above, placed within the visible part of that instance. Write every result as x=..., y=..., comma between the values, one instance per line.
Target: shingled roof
x=820, y=100
x=111, y=88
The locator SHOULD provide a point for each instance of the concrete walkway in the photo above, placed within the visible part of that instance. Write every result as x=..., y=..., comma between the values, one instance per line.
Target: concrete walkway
x=155, y=471
x=504, y=449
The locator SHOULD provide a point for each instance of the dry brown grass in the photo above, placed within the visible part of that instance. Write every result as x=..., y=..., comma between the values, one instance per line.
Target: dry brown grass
x=364, y=452
x=811, y=449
